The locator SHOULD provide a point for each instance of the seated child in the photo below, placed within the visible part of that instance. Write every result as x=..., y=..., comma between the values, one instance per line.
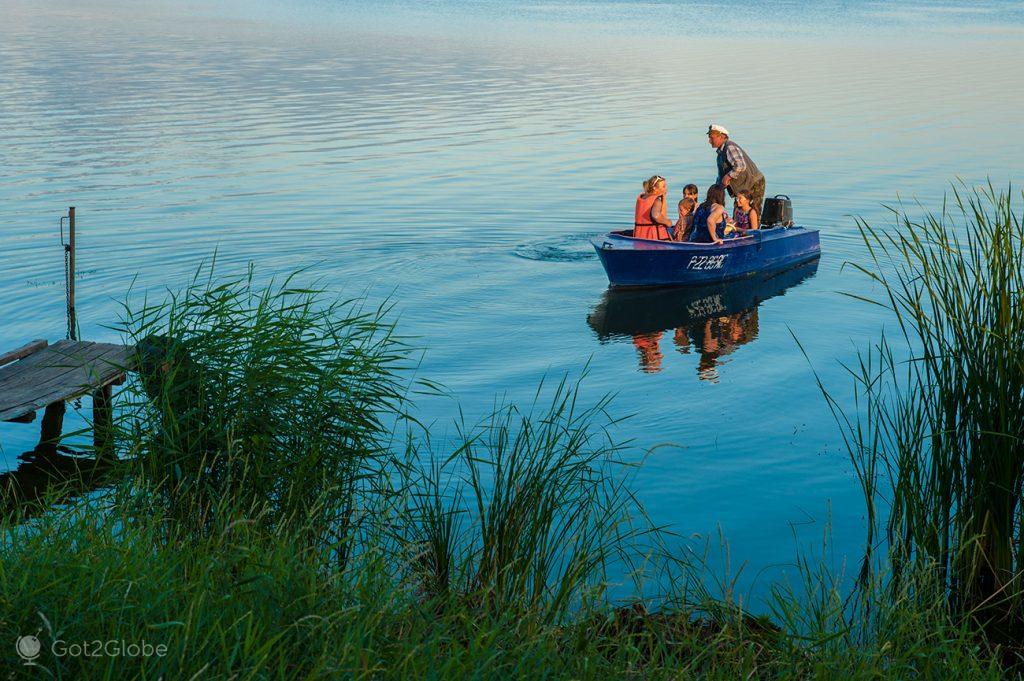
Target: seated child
x=650, y=220
x=684, y=225
x=743, y=214
x=690, y=192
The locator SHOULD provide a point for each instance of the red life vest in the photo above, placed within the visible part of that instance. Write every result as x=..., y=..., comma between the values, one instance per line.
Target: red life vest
x=643, y=226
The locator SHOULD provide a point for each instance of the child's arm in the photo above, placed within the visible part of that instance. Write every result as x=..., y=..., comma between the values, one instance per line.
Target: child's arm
x=755, y=219
x=716, y=216
x=659, y=215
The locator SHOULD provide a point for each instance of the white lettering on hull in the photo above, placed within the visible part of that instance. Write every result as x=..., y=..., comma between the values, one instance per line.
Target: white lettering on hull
x=706, y=262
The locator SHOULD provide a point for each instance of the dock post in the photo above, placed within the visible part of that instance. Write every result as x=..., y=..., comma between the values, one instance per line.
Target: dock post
x=102, y=423
x=50, y=429
x=72, y=321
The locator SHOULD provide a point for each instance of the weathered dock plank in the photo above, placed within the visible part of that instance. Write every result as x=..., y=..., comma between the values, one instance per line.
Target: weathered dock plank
x=22, y=352
x=60, y=358
x=54, y=366
x=60, y=372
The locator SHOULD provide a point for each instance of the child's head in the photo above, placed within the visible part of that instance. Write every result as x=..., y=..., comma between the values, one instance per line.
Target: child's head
x=716, y=194
x=686, y=206
x=690, y=192
x=743, y=199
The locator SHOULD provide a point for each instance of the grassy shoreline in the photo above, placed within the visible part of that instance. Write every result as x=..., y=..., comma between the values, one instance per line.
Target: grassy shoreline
x=264, y=524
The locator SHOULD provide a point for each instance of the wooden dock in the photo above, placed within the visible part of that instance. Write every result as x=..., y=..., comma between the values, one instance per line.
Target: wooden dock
x=42, y=376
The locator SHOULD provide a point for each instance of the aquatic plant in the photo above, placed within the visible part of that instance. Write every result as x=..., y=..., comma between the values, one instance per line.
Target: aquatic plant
x=270, y=396
x=939, y=429
x=528, y=510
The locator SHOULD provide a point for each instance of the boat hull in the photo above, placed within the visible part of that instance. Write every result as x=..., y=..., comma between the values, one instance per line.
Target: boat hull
x=645, y=262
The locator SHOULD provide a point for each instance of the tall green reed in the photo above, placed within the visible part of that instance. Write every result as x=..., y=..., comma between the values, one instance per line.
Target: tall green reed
x=528, y=510
x=271, y=396
x=941, y=416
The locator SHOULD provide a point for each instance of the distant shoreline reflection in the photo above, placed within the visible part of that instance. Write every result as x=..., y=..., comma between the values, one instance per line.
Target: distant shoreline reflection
x=709, y=321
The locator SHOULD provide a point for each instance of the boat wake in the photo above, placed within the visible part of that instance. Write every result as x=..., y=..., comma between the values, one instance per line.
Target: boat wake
x=573, y=248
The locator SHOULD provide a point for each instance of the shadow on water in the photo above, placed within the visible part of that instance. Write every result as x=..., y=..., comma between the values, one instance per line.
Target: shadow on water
x=41, y=480
x=709, y=321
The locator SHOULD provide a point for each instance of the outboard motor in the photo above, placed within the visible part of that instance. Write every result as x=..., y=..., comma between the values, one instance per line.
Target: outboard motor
x=777, y=211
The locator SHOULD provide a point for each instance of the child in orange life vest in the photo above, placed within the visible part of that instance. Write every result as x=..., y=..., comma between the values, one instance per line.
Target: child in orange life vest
x=681, y=230
x=649, y=217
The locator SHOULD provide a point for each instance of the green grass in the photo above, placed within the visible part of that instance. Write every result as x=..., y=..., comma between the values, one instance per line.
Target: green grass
x=238, y=602
x=526, y=513
x=270, y=397
x=940, y=431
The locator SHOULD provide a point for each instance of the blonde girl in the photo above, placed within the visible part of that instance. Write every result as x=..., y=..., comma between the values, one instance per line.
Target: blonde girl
x=650, y=219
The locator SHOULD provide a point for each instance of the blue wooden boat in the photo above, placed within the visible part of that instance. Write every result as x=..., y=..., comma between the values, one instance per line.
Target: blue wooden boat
x=646, y=262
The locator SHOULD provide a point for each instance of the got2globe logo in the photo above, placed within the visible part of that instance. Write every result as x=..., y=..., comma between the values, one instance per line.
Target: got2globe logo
x=28, y=648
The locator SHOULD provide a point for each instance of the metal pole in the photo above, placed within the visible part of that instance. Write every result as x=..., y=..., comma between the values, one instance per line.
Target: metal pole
x=72, y=321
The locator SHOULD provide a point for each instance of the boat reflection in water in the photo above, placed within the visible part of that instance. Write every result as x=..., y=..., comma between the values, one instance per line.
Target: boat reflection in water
x=711, y=321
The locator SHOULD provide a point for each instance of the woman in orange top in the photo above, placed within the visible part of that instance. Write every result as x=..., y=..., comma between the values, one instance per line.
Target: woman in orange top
x=650, y=219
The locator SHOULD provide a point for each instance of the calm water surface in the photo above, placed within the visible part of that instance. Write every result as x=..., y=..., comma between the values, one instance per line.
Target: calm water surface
x=457, y=159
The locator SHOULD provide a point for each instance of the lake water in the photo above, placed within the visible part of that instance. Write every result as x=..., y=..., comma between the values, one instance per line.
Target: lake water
x=457, y=157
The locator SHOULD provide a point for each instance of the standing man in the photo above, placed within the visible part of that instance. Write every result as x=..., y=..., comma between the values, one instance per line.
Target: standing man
x=735, y=169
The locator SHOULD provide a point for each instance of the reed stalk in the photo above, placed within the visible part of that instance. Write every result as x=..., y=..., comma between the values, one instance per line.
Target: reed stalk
x=939, y=430
x=269, y=396
x=527, y=512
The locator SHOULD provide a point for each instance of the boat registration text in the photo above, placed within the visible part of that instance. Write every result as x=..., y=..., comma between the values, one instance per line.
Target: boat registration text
x=706, y=262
